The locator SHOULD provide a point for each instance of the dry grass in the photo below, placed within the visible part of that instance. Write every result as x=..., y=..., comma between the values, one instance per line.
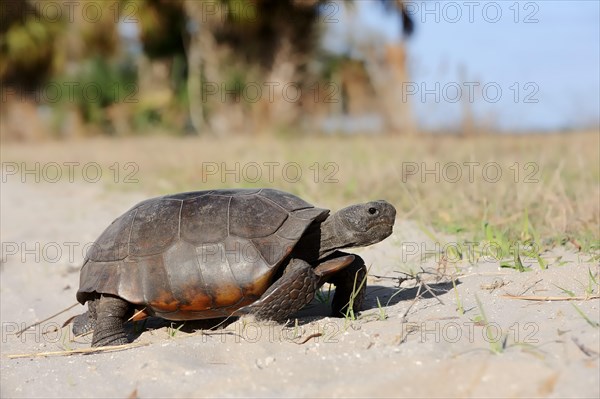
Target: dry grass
x=549, y=185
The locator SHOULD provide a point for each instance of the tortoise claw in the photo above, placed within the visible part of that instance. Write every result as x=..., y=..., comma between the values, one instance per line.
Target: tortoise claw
x=333, y=265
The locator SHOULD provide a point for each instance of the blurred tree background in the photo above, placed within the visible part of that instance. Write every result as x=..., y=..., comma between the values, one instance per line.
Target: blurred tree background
x=219, y=67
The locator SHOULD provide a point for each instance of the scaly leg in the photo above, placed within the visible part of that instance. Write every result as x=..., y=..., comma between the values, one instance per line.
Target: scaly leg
x=111, y=316
x=294, y=289
x=350, y=284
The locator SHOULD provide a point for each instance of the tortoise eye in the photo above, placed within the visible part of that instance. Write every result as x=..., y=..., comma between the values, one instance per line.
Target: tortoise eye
x=373, y=211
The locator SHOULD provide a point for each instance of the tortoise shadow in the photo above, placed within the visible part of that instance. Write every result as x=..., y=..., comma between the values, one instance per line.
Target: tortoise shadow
x=389, y=296
x=137, y=328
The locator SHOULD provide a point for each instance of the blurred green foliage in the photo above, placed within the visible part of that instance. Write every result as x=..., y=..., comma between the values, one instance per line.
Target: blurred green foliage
x=98, y=84
x=42, y=45
x=27, y=45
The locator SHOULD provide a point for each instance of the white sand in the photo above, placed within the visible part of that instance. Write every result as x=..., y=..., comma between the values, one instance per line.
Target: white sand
x=435, y=352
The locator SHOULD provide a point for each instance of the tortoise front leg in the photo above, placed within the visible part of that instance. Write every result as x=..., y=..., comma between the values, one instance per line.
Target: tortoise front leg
x=111, y=314
x=294, y=289
x=287, y=295
x=350, y=284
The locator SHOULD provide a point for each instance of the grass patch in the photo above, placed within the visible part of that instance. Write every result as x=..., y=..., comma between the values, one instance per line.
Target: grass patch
x=324, y=295
x=589, y=290
x=452, y=184
x=459, y=306
x=497, y=346
x=592, y=283
x=382, y=314
x=591, y=322
x=172, y=331
x=350, y=313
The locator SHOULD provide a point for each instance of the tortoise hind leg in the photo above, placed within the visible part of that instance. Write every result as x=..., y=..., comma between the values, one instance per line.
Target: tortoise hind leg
x=350, y=284
x=111, y=314
x=86, y=321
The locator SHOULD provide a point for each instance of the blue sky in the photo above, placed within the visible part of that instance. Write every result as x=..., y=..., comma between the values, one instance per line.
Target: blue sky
x=539, y=61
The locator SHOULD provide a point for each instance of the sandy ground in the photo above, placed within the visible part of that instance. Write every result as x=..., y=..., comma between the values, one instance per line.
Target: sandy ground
x=406, y=348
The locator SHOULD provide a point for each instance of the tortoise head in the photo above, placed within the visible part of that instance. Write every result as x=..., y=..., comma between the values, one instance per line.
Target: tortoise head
x=357, y=226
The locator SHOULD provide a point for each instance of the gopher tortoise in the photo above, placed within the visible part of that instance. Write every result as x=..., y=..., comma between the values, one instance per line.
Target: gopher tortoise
x=219, y=253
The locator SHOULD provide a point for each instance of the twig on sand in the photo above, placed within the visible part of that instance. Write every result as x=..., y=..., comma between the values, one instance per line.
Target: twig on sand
x=136, y=314
x=479, y=274
x=551, y=298
x=417, y=296
x=422, y=283
x=20, y=332
x=531, y=286
x=308, y=338
x=422, y=286
x=112, y=348
x=81, y=335
x=431, y=292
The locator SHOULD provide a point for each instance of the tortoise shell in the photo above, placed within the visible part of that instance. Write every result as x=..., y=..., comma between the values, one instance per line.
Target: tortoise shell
x=197, y=255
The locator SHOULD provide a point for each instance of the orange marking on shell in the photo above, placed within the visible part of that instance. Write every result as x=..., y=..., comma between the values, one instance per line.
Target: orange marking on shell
x=165, y=302
x=227, y=295
x=192, y=315
x=258, y=286
x=196, y=301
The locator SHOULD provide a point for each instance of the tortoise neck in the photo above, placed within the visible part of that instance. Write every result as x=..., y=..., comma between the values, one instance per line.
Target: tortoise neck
x=332, y=237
